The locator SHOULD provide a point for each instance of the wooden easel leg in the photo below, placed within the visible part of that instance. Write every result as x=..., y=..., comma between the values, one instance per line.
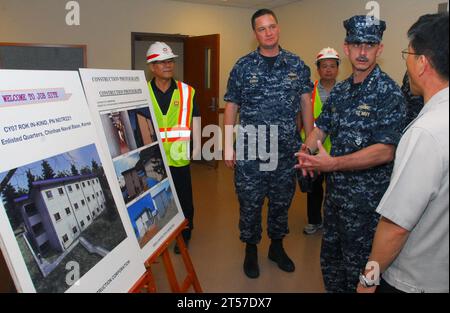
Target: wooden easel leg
x=147, y=281
x=170, y=271
x=151, y=286
x=191, y=278
x=145, y=284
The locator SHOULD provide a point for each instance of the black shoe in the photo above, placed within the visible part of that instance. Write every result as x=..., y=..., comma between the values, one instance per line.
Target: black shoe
x=279, y=256
x=251, y=267
x=176, y=249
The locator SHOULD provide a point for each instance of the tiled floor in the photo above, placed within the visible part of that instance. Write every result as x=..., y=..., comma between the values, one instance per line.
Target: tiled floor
x=218, y=254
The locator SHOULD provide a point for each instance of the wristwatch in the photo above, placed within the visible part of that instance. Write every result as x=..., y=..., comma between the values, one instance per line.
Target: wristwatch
x=365, y=282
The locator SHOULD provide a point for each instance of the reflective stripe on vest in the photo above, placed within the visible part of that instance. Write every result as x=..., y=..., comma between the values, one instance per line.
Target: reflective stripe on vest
x=173, y=134
x=185, y=96
x=174, y=127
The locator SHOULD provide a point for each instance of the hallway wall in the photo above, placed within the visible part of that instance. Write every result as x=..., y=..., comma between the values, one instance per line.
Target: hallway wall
x=310, y=25
x=106, y=27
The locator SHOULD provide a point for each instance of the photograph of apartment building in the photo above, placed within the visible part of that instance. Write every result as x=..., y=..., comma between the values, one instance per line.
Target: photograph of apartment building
x=151, y=212
x=142, y=215
x=56, y=211
x=139, y=171
x=61, y=210
x=164, y=201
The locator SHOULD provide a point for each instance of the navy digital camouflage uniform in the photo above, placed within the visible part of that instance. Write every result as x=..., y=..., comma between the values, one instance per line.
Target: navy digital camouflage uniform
x=356, y=116
x=268, y=97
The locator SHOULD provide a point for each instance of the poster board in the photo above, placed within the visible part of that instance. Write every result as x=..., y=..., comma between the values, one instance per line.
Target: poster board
x=63, y=227
x=123, y=115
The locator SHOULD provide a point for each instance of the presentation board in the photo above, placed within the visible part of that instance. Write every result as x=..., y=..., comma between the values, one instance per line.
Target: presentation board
x=63, y=222
x=123, y=115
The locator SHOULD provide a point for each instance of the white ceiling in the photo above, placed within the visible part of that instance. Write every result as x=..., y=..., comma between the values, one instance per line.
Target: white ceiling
x=250, y=4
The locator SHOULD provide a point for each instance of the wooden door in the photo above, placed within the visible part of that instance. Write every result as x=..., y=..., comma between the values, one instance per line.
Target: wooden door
x=201, y=71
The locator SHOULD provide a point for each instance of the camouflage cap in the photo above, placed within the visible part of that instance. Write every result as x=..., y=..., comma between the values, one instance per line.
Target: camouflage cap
x=364, y=29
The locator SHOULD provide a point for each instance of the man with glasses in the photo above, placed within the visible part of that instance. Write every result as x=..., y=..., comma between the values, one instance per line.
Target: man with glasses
x=175, y=107
x=364, y=117
x=411, y=243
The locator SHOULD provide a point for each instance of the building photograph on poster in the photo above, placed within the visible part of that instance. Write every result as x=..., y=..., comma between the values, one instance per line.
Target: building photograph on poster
x=128, y=130
x=61, y=210
x=143, y=215
x=152, y=212
x=164, y=202
x=139, y=171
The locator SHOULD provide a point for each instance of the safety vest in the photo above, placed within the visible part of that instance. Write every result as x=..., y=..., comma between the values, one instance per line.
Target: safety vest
x=175, y=126
x=317, y=110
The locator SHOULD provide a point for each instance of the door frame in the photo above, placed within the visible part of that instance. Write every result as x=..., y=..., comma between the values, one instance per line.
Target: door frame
x=140, y=36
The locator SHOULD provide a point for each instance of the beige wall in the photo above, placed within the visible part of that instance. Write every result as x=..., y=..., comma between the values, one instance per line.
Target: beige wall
x=311, y=25
x=106, y=27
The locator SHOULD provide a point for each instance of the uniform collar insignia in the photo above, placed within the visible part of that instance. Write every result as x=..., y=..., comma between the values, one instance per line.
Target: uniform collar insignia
x=364, y=107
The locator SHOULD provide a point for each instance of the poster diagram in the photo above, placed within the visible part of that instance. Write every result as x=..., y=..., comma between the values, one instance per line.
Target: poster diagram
x=122, y=111
x=63, y=225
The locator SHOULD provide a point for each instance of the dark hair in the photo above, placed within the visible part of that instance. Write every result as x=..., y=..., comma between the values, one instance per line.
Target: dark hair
x=429, y=37
x=318, y=62
x=260, y=13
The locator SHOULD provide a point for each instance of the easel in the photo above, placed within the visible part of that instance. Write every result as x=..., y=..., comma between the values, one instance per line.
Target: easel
x=147, y=283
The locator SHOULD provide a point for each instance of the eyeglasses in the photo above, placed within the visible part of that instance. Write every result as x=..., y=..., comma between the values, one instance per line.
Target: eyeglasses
x=405, y=54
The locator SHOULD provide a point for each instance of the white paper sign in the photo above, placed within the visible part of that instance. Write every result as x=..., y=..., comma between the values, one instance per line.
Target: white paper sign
x=63, y=225
x=123, y=114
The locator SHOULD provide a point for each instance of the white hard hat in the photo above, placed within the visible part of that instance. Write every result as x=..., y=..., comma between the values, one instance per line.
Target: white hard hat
x=159, y=51
x=327, y=53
